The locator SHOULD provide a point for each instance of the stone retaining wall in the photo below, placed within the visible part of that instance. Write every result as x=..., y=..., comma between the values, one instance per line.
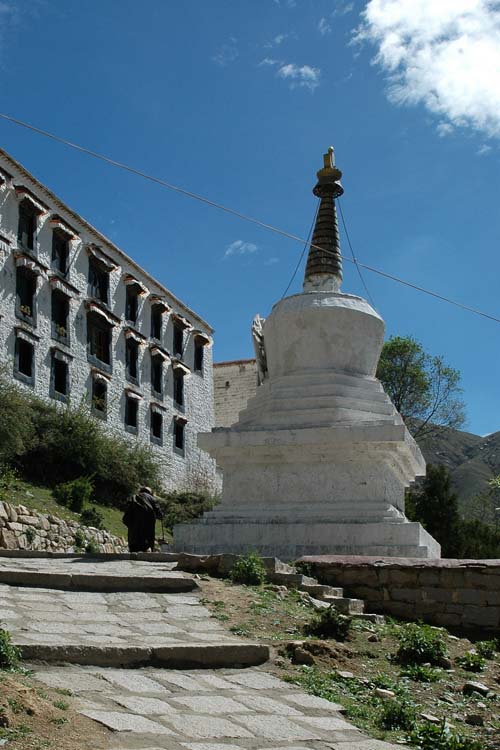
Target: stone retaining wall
x=26, y=529
x=462, y=594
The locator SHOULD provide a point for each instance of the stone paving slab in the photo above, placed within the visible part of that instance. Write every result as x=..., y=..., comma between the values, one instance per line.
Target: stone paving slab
x=227, y=709
x=121, y=629
x=94, y=574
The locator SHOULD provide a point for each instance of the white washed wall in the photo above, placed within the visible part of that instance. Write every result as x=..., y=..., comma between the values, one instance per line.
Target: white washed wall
x=178, y=471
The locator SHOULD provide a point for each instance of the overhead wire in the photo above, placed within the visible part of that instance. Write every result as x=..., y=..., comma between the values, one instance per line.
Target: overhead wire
x=353, y=256
x=244, y=217
x=306, y=243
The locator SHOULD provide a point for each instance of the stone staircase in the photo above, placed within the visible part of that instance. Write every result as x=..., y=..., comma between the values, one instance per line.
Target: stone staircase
x=282, y=574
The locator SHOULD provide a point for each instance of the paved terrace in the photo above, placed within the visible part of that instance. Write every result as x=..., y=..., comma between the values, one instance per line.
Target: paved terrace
x=89, y=620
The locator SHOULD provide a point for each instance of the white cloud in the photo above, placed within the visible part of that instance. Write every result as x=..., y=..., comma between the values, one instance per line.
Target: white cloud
x=269, y=61
x=484, y=149
x=343, y=9
x=444, y=128
x=240, y=247
x=324, y=26
x=303, y=76
x=444, y=54
x=271, y=261
x=227, y=53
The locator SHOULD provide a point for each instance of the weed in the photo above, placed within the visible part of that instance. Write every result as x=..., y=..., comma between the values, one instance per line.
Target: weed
x=486, y=649
x=9, y=654
x=307, y=569
x=471, y=662
x=79, y=538
x=420, y=644
x=62, y=705
x=92, y=547
x=15, y=705
x=396, y=714
x=64, y=691
x=30, y=535
x=92, y=517
x=249, y=570
x=59, y=720
x=421, y=673
x=440, y=737
x=240, y=630
x=329, y=623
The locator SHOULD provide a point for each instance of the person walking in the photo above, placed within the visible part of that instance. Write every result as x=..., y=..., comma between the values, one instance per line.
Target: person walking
x=140, y=519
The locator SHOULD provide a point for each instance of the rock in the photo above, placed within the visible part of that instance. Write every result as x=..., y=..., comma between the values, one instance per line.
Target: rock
x=385, y=694
x=346, y=675
x=444, y=662
x=8, y=539
x=475, y=720
x=373, y=638
x=431, y=718
x=480, y=704
x=29, y=520
x=29, y=494
x=3, y=512
x=301, y=656
x=453, y=637
x=280, y=662
x=475, y=687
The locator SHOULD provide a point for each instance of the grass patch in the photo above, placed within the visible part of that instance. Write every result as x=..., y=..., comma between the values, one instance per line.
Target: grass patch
x=471, y=662
x=420, y=644
x=249, y=570
x=328, y=623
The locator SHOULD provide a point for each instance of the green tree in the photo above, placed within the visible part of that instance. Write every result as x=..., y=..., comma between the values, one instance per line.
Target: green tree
x=424, y=390
x=435, y=505
x=16, y=427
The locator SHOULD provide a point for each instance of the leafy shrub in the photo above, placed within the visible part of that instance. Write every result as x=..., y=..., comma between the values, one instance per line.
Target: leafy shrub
x=396, y=714
x=74, y=494
x=17, y=433
x=328, y=623
x=8, y=478
x=471, y=662
x=440, y=737
x=421, y=673
x=486, y=649
x=92, y=517
x=420, y=644
x=92, y=548
x=182, y=507
x=70, y=443
x=249, y=570
x=9, y=654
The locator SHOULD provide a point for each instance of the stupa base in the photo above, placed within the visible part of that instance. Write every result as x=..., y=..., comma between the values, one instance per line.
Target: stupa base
x=289, y=541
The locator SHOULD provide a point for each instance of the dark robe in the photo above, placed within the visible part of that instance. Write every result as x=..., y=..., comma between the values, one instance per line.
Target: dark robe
x=140, y=520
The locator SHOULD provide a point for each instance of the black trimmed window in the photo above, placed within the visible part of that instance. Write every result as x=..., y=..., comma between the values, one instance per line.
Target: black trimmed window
x=25, y=294
x=60, y=316
x=156, y=426
x=26, y=229
x=24, y=361
x=179, y=388
x=131, y=413
x=179, y=436
x=60, y=251
x=157, y=374
x=199, y=354
x=156, y=321
x=99, y=337
x=59, y=377
x=98, y=281
x=131, y=303
x=178, y=340
x=132, y=360
x=99, y=396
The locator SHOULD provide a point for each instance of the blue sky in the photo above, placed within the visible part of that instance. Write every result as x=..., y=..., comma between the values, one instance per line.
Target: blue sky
x=237, y=100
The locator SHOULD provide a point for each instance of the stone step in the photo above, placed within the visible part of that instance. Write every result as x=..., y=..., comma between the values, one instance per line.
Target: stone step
x=320, y=591
x=170, y=582
x=313, y=404
x=345, y=605
x=327, y=377
x=314, y=418
x=292, y=580
x=369, y=617
x=177, y=656
x=320, y=390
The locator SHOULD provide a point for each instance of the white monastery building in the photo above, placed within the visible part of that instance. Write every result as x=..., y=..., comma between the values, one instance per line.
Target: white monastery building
x=82, y=322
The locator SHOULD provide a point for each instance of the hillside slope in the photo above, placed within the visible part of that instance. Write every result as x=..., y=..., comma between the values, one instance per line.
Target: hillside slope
x=471, y=459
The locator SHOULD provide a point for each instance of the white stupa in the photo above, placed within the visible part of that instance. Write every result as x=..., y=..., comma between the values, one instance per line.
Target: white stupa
x=319, y=460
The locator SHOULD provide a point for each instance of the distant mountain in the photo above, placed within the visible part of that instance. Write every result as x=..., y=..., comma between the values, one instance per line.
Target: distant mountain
x=471, y=459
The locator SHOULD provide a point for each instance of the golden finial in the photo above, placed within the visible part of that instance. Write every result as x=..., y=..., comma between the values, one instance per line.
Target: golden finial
x=329, y=158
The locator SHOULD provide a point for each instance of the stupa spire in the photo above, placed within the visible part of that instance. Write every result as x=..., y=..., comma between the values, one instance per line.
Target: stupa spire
x=324, y=262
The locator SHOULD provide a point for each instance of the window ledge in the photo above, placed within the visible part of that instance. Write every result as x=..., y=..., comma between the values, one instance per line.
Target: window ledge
x=180, y=452
x=59, y=397
x=99, y=364
x=27, y=379
x=99, y=414
x=132, y=430
x=131, y=379
x=156, y=440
